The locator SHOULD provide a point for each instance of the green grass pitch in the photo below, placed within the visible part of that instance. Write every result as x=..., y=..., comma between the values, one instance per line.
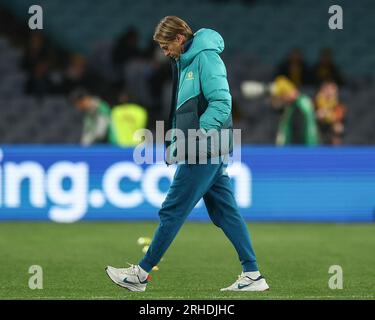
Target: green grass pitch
x=294, y=257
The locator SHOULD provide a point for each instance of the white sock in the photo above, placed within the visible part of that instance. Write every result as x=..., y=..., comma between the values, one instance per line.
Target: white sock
x=252, y=274
x=142, y=274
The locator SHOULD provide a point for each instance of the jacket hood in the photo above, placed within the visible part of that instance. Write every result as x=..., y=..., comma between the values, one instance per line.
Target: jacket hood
x=204, y=39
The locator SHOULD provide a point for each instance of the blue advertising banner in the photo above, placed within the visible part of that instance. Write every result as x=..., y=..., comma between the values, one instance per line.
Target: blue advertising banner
x=72, y=183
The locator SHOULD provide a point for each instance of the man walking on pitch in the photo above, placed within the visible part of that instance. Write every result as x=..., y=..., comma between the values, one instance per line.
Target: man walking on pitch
x=200, y=100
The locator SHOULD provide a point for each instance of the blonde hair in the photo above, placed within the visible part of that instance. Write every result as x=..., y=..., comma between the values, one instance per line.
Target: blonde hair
x=168, y=28
x=282, y=87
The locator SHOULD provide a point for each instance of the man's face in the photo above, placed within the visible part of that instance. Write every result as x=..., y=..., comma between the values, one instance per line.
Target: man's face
x=329, y=90
x=84, y=104
x=173, y=49
x=279, y=103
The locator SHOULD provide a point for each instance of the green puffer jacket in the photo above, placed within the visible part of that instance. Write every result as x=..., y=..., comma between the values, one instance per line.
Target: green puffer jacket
x=201, y=97
x=298, y=124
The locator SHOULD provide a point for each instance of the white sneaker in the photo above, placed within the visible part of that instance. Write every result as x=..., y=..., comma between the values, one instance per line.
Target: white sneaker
x=245, y=283
x=129, y=278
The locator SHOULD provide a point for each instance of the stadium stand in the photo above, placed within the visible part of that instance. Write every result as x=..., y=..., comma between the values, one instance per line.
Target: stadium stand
x=253, y=51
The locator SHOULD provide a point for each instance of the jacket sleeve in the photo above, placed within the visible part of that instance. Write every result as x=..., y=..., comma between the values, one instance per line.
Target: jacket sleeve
x=215, y=88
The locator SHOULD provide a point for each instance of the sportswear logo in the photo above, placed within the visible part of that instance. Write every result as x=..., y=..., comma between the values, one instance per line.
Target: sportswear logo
x=141, y=282
x=260, y=277
x=126, y=281
x=241, y=286
x=190, y=76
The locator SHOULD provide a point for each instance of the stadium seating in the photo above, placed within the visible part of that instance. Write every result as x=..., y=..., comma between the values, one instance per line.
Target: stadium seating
x=26, y=119
x=253, y=48
x=87, y=23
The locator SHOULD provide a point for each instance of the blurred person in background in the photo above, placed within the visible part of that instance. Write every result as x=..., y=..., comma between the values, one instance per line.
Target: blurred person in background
x=45, y=78
x=79, y=75
x=330, y=113
x=40, y=60
x=297, y=123
x=326, y=70
x=125, y=48
x=159, y=79
x=97, y=126
x=128, y=117
x=39, y=82
x=295, y=68
x=37, y=50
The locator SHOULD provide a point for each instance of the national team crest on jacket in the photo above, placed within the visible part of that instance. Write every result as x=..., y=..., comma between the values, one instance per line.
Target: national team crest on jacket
x=190, y=76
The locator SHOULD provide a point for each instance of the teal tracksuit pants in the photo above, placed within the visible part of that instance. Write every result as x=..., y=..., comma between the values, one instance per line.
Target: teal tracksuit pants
x=192, y=182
